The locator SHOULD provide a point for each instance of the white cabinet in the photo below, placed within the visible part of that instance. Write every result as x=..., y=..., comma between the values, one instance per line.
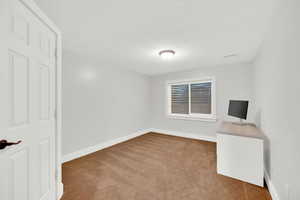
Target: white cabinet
x=240, y=153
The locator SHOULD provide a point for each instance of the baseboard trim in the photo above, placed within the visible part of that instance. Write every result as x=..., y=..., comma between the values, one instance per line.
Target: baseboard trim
x=271, y=187
x=110, y=143
x=184, y=134
x=101, y=146
x=60, y=190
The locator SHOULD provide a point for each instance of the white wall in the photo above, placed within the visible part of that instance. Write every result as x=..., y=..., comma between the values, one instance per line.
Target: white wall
x=51, y=9
x=100, y=102
x=277, y=71
x=232, y=82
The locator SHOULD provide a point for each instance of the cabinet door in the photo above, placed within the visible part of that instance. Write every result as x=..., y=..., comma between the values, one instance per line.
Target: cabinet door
x=240, y=158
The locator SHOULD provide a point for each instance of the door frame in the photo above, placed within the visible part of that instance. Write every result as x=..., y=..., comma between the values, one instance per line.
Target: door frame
x=30, y=4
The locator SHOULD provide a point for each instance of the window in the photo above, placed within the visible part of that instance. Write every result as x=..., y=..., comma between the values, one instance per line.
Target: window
x=194, y=99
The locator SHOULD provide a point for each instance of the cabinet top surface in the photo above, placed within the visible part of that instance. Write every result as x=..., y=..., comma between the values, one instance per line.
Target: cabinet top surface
x=230, y=128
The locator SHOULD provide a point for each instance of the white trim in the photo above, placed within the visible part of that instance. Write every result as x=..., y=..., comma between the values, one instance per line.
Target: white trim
x=30, y=4
x=272, y=190
x=60, y=190
x=193, y=80
x=102, y=145
x=190, y=101
x=185, y=134
x=92, y=149
x=58, y=114
x=39, y=13
x=192, y=116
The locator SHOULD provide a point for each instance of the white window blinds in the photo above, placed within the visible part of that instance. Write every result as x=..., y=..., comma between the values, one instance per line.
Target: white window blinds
x=180, y=99
x=201, y=98
x=192, y=99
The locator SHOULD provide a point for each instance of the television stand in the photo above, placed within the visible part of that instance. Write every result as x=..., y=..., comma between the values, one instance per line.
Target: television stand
x=240, y=152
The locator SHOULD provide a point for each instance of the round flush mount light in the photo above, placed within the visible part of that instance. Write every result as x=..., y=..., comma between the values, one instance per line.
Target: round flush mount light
x=230, y=56
x=167, y=54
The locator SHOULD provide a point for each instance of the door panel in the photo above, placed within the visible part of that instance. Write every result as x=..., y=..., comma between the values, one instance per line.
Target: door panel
x=44, y=93
x=19, y=87
x=27, y=82
x=20, y=25
x=45, y=173
x=19, y=175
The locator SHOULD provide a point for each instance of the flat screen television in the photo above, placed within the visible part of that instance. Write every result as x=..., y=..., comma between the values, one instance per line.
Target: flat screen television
x=238, y=108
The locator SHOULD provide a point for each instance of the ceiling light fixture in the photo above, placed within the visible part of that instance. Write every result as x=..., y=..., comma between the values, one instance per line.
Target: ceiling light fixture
x=230, y=55
x=167, y=54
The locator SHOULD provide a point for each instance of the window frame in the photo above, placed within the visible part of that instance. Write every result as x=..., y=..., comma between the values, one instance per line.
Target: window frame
x=192, y=116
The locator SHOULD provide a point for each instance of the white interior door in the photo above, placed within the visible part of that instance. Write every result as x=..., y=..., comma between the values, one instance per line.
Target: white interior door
x=27, y=104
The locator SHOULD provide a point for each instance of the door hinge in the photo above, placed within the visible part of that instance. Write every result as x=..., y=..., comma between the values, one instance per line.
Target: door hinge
x=56, y=53
x=55, y=113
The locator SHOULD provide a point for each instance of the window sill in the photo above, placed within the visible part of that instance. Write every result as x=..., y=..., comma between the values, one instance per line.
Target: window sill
x=192, y=118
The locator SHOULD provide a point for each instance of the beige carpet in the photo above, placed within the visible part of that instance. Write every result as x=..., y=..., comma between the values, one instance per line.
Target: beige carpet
x=154, y=167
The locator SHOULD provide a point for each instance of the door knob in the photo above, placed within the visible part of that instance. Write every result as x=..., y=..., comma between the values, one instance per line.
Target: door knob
x=4, y=143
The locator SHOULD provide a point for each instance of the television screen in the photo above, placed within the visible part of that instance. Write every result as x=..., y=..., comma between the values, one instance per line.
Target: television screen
x=238, y=109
